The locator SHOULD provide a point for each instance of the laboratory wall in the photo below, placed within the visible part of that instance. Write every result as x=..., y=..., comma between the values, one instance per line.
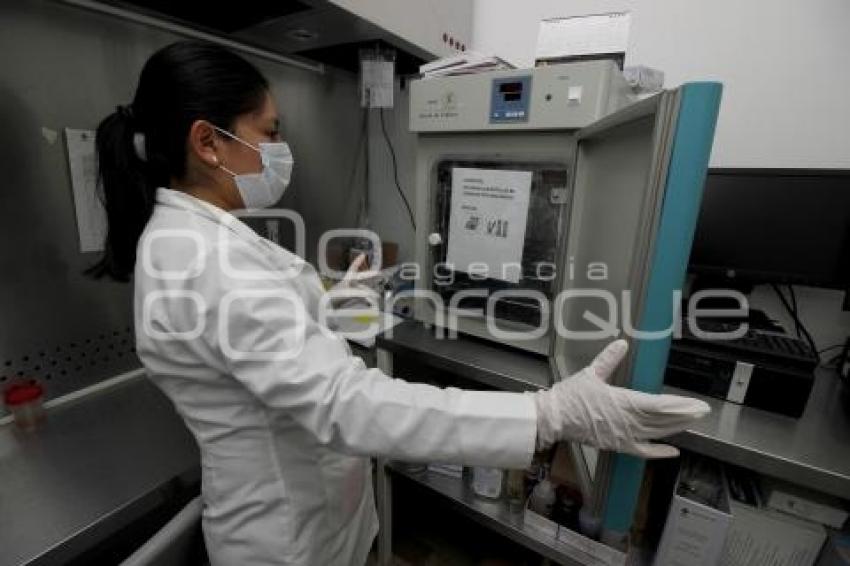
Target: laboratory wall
x=785, y=75
x=783, y=64
x=66, y=68
x=388, y=216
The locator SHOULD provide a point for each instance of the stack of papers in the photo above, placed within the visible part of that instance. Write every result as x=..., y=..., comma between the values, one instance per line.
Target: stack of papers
x=463, y=64
x=582, y=36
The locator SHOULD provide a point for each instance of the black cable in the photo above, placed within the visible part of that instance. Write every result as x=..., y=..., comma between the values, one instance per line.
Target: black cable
x=794, y=306
x=797, y=321
x=828, y=348
x=365, y=203
x=395, y=170
x=362, y=138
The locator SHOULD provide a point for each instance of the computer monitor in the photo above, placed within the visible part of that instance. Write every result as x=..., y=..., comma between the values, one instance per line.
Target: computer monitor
x=789, y=226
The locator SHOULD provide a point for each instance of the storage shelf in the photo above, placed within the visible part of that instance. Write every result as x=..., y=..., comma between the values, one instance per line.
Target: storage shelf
x=813, y=451
x=495, y=515
x=492, y=365
x=96, y=465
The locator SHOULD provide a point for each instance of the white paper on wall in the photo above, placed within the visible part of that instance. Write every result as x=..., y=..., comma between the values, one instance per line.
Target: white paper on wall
x=377, y=84
x=487, y=221
x=91, y=217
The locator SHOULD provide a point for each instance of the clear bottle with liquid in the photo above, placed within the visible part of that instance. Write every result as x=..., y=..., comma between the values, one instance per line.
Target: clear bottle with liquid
x=542, y=500
x=515, y=490
x=487, y=482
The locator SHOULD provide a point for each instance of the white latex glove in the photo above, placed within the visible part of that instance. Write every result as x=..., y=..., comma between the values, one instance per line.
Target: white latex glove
x=585, y=409
x=355, y=278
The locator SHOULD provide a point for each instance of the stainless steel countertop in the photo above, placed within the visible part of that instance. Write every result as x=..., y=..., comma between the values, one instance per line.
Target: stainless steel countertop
x=812, y=451
x=472, y=358
x=87, y=470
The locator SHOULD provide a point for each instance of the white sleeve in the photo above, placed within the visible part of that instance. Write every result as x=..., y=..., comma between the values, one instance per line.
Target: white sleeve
x=302, y=369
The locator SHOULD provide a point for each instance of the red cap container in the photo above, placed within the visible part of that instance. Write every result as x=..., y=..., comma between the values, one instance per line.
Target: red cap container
x=25, y=401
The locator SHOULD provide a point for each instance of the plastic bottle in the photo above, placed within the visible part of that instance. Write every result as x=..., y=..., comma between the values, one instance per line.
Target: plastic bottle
x=25, y=401
x=487, y=482
x=542, y=499
x=515, y=489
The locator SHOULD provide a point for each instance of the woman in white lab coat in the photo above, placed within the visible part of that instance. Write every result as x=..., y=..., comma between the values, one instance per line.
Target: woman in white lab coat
x=226, y=325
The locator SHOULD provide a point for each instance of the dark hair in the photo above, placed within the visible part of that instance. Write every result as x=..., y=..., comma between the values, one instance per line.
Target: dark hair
x=180, y=83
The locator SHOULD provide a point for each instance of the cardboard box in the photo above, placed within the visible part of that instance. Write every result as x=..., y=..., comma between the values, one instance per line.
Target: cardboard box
x=734, y=527
x=804, y=504
x=699, y=517
x=761, y=536
x=764, y=537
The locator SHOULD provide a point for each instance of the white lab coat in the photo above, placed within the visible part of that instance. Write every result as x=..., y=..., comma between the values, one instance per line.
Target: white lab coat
x=285, y=442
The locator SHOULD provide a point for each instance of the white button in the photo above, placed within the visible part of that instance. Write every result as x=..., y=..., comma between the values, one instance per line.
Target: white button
x=740, y=382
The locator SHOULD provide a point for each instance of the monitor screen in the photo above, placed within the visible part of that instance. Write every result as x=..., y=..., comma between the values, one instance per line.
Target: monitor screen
x=775, y=226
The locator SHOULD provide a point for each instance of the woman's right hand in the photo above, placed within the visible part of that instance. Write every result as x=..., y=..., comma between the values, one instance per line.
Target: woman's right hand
x=585, y=409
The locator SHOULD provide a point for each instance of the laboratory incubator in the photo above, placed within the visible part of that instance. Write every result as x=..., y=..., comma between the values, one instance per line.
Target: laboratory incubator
x=555, y=214
x=495, y=168
x=538, y=202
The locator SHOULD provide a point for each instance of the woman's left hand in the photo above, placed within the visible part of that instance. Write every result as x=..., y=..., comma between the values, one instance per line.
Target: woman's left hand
x=356, y=278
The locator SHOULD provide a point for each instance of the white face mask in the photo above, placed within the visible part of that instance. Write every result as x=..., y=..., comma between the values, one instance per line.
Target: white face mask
x=263, y=189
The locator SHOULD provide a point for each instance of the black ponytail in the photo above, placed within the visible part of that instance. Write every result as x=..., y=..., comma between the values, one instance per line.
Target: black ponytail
x=142, y=146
